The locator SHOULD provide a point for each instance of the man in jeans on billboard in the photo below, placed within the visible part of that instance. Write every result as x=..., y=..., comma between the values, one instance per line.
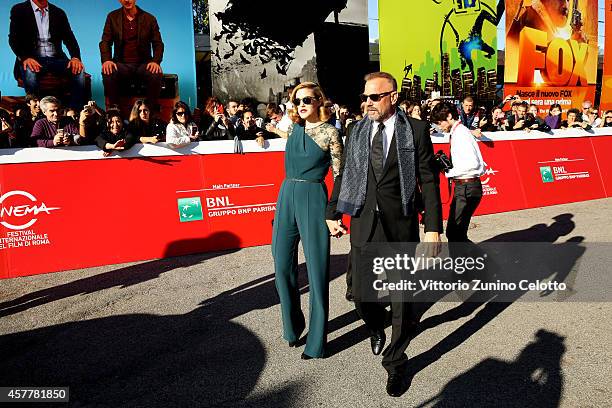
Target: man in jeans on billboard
x=468, y=166
x=38, y=30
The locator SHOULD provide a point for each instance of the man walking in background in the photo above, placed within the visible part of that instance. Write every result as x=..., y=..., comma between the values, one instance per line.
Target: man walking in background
x=468, y=166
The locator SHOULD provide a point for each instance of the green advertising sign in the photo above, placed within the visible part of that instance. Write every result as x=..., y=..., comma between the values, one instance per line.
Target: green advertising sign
x=445, y=46
x=190, y=209
x=546, y=173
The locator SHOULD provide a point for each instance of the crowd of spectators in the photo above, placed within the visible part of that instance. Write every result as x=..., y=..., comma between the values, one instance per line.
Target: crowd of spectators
x=519, y=116
x=45, y=123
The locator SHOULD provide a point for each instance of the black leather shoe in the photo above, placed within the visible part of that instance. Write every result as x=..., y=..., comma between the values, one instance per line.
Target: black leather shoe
x=293, y=343
x=397, y=385
x=305, y=357
x=377, y=340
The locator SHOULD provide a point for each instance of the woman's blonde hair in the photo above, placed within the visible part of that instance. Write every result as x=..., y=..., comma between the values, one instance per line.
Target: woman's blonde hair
x=324, y=111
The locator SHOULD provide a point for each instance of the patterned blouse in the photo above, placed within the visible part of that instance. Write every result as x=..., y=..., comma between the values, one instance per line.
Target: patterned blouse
x=328, y=139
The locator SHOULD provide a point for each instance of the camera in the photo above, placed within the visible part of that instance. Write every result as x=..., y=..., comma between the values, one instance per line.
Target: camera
x=529, y=120
x=444, y=162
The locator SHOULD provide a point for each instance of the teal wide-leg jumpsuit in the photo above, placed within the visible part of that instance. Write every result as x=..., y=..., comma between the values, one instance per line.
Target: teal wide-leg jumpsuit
x=300, y=213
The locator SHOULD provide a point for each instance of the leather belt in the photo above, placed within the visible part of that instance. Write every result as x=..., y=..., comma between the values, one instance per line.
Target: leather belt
x=305, y=181
x=466, y=180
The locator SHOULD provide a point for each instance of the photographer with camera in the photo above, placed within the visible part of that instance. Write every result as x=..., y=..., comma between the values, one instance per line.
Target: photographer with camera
x=526, y=121
x=495, y=122
x=54, y=130
x=539, y=123
x=214, y=122
x=91, y=122
x=467, y=167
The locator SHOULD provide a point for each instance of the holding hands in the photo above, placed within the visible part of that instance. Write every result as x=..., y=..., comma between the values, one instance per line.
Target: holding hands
x=336, y=228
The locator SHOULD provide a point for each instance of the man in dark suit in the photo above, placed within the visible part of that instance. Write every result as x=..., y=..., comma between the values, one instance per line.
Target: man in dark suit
x=129, y=35
x=389, y=173
x=37, y=31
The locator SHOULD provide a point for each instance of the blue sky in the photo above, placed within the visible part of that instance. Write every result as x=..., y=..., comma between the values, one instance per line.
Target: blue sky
x=373, y=24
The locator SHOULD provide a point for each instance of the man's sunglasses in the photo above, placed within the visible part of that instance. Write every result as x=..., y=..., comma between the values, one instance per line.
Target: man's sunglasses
x=308, y=100
x=180, y=113
x=374, y=97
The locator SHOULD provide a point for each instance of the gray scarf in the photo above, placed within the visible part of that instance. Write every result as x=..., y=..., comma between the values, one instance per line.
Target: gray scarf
x=355, y=177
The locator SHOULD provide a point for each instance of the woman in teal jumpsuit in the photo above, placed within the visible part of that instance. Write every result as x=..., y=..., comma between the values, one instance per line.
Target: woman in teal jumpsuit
x=312, y=146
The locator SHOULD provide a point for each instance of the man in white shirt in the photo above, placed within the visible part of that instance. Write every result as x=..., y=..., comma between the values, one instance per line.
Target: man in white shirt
x=468, y=166
x=279, y=120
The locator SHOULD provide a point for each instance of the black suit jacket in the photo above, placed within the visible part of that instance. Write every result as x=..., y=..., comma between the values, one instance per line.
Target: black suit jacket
x=111, y=45
x=386, y=193
x=23, y=33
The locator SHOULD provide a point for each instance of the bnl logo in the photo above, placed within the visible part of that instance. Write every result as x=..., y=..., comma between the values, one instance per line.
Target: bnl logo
x=467, y=6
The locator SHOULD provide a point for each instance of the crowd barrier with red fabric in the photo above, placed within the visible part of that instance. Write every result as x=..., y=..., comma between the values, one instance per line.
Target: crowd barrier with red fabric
x=70, y=208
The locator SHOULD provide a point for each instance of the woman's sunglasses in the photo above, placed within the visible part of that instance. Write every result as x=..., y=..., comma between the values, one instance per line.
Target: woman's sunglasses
x=308, y=100
x=374, y=97
x=180, y=113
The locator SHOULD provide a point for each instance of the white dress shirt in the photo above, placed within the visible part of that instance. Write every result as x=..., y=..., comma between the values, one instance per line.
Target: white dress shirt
x=387, y=134
x=45, y=47
x=284, y=123
x=465, y=154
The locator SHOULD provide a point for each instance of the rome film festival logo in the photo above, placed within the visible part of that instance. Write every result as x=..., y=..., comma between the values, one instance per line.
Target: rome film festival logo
x=487, y=188
x=546, y=173
x=489, y=172
x=190, y=209
x=25, y=211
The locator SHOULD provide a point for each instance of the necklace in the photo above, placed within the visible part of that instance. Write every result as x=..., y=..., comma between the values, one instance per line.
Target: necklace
x=312, y=125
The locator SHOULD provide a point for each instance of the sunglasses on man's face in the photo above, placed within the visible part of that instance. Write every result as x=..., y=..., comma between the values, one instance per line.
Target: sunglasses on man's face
x=180, y=113
x=308, y=100
x=374, y=97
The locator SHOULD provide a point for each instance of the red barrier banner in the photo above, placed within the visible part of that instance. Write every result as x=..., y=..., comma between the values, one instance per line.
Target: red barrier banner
x=558, y=171
x=602, y=146
x=606, y=83
x=551, y=51
x=77, y=214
